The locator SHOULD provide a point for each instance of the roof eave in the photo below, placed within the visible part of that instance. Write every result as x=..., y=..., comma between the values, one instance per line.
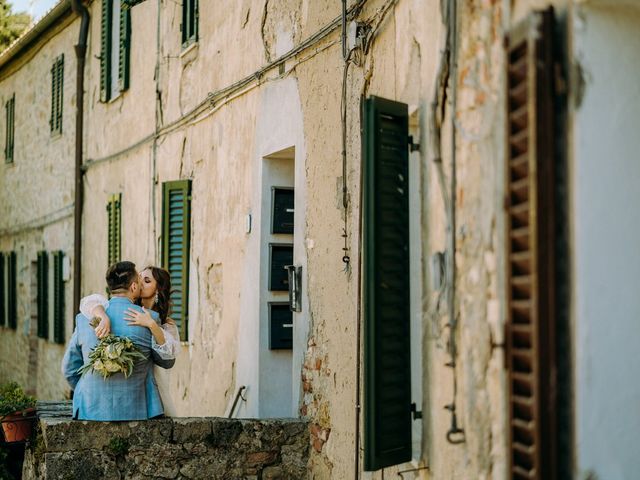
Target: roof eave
x=24, y=41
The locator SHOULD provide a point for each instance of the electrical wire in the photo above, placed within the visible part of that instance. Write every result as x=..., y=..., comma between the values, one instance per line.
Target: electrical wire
x=213, y=97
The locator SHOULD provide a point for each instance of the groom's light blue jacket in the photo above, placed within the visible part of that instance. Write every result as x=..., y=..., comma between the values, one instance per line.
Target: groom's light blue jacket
x=116, y=397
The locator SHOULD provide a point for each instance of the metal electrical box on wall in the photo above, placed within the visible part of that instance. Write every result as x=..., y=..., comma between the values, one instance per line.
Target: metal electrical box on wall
x=280, y=326
x=280, y=255
x=282, y=211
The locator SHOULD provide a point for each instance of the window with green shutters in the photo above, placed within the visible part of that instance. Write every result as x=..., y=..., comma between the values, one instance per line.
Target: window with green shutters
x=3, y=291
x=43, y=295
x=386, y=303
x=12, y=289
x=189, y=22
x=176, y=213
x=57, y=89
x=58, y=298
x=10, y=110
x=114, y=229
x=115, y=35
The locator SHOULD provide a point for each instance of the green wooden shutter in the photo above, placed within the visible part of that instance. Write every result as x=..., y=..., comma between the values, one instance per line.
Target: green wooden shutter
x=58, y=298
x=175, y=248
x=105, y=51
x=114, y=229
x=3, y=292
x=184, y=27
x=110, y=233
x=43, y=294
x=190, y=18
x=60, y=72
x=12, y=293
x=125, y=46
x=57, y=88
x=387, y=409
x=54, y=89
x=10, y=109
x=196, y=19
x=530, y=324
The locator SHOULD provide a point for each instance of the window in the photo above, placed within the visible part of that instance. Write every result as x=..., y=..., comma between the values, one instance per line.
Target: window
x=8, y=290
x=58, y=298
x=11, y=289
x=10, y=109
x=57, y=88
x=115, y=47
x=3, y=291
x=114, y=229
x=189, y=22
x=387, y=301
x=176, y=212
x=43, y=295
x=530, y=279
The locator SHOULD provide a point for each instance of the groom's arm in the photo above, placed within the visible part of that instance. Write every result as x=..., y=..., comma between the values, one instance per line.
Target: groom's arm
x=72, y=360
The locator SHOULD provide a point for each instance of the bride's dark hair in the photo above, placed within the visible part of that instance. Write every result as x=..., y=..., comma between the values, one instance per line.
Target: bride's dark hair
x=163, y=288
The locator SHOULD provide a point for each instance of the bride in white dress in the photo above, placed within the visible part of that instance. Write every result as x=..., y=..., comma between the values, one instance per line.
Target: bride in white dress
x=155, y=295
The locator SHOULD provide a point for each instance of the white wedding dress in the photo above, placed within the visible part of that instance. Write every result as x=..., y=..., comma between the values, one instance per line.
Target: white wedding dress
x=168, y=350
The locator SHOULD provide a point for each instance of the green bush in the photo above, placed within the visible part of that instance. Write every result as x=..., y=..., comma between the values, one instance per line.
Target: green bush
x=13, y=399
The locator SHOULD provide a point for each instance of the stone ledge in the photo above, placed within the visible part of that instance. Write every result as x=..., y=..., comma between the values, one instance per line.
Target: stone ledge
x=175, y=448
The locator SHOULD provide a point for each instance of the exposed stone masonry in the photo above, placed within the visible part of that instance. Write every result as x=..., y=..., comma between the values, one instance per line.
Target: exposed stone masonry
x=174, y=448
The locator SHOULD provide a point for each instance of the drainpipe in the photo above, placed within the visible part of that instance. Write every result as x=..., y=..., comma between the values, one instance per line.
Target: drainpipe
x=81, y=50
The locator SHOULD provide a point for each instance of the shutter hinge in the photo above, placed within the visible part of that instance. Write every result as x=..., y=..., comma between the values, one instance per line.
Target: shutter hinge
x=414, y=411
x=413, y=147
x=559, y=79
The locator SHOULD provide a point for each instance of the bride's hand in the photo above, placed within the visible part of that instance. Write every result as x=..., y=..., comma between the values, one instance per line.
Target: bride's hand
x=141, y=319
x=104, y=327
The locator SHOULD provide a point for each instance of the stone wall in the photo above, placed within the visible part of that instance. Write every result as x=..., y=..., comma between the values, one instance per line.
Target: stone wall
x=36, y=201
x=176, y=448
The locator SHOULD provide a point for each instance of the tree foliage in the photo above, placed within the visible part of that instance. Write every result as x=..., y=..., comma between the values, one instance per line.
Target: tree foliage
x=11, y=24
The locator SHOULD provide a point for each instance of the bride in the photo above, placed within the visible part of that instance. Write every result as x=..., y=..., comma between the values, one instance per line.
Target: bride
x=155, y=295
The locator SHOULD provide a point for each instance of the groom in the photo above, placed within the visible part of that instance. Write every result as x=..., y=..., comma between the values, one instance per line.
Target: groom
x=116, y=397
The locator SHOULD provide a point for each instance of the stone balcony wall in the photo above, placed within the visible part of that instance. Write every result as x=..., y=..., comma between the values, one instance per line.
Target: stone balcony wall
x=168, y=448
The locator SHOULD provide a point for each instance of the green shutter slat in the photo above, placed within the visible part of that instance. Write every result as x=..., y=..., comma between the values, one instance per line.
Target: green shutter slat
x=387, y=409
x=3, y=298
x=175, y=247
x=125, y=46
x=58, y=307
x=43, y=295
x=105, y=51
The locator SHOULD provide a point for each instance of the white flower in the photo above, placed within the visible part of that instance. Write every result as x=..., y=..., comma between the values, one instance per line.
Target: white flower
x=112, y=366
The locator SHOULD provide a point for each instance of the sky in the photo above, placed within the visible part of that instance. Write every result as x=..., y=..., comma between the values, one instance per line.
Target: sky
x=37, y=8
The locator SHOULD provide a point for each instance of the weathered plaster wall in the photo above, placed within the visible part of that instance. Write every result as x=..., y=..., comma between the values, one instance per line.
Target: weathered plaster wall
x=36, y=202
x=605, y=175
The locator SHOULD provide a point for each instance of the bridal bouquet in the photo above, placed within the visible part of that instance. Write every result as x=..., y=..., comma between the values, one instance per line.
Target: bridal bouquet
x=111, y=355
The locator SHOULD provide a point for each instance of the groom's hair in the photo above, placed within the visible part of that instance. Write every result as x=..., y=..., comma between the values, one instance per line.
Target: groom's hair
x=121, y=275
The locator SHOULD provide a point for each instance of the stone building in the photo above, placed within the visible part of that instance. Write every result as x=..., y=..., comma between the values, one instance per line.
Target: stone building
x=482, y=271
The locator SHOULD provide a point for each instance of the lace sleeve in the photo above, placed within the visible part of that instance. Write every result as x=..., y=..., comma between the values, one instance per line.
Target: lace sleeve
x=88, y=303
x=171, y=346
